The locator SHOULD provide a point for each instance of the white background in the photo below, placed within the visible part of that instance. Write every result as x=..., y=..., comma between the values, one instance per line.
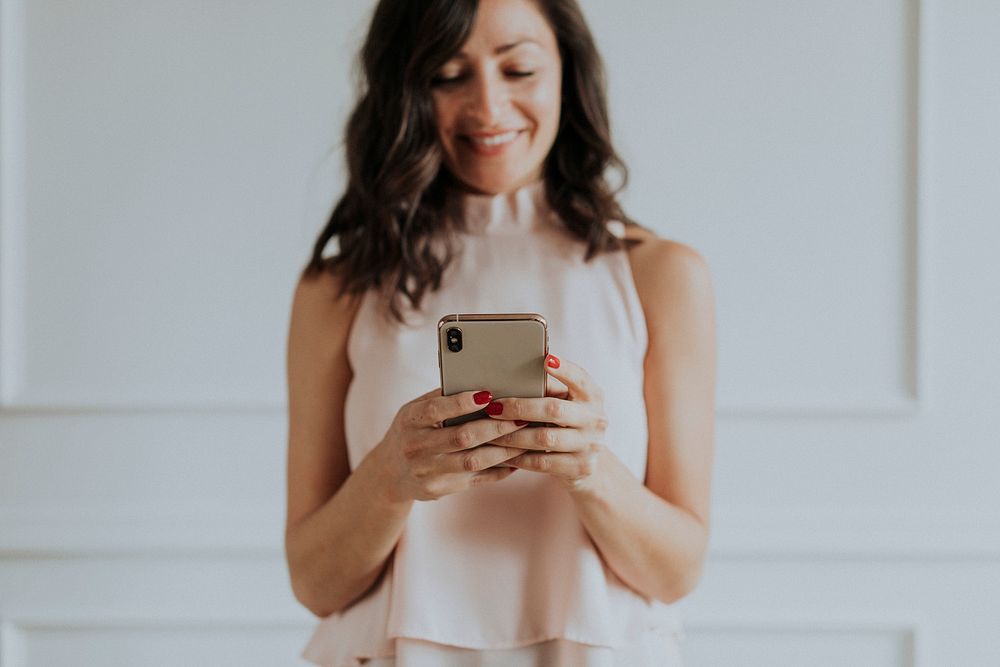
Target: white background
x=165, y=167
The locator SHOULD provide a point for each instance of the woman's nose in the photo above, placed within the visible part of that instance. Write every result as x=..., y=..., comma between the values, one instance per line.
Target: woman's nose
x=488, y=99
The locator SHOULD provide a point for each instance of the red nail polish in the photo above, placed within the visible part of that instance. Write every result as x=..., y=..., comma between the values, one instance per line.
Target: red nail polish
x=482, y=397
x=552, y=361
x=494, y=409
x=519, y=422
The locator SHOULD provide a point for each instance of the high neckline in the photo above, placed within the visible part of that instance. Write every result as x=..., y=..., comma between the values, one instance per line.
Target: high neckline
x=506, y=212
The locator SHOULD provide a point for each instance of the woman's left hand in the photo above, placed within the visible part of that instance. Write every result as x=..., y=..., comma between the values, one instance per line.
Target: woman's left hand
x=570, y=448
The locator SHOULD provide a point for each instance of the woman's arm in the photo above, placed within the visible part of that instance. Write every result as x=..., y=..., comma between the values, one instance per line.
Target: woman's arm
x=341, y=527
x=655, y=536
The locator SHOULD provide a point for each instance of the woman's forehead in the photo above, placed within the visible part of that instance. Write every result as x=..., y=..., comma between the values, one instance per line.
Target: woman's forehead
x=516, y=44
x=505, y=25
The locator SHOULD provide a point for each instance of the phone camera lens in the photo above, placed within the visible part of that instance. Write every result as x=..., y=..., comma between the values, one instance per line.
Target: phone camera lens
x=454, y=339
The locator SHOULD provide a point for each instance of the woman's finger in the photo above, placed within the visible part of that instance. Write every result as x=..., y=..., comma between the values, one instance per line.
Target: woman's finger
x=581, y=386
x=491, y=475
x=546, y=439
x=433, y=392
x=549, y=410
x=470, y=434
x=432, y=408
x=478, y=458
x=567, y=466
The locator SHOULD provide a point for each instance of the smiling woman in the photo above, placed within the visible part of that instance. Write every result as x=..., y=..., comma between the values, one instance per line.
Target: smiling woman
x=429, y=70
x=496, y=108
x=477, y=156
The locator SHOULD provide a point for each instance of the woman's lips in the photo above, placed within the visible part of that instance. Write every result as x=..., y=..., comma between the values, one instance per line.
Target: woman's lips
x=491, y=145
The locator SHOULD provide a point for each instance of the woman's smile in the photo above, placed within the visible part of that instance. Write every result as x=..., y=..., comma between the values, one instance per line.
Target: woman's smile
x=497, y=100
x=491, y=145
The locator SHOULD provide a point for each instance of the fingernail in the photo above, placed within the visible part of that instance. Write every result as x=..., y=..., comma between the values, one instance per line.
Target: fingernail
x=482, y=397
x=552, y=361
x=494, y=409
x=519, y=422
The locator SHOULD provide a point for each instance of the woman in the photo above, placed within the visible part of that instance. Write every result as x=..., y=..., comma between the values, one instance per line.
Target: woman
x=477, y=156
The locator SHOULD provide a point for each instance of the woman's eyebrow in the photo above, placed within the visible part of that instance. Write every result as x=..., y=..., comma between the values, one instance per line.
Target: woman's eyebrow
x=503, y=48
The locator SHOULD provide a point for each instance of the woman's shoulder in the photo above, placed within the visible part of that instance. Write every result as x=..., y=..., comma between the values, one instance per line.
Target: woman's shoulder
x=651, y=251
x=667, y=273
x=321, y=313
x=321, y=288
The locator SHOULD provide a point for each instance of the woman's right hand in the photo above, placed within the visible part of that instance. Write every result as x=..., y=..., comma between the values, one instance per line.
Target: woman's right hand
x=426, y=461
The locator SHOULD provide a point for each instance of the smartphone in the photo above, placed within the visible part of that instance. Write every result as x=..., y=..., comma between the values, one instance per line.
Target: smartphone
x=503, y=353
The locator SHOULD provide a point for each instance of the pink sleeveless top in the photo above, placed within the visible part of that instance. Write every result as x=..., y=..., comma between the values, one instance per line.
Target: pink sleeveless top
x=508, y=565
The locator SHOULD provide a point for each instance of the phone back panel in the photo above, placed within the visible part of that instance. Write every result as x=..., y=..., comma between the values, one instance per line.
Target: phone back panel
x=504, y=354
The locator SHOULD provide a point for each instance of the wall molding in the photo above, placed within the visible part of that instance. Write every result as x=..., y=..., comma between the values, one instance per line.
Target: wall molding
x=13, y=213
x=954, y=534
x=16, y=626
x=812, y=533
x=33, y=532
x=910, y=630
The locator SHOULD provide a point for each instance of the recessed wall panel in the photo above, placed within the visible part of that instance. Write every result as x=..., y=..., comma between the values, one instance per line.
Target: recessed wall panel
x=792, y=648
x=779, y=139
x=171, y=160
x=221, y=646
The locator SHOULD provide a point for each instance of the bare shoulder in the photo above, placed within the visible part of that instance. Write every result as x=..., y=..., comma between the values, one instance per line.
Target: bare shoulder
x=654, y=249
x=669, y=275
x=320, y=289
x=321, y=316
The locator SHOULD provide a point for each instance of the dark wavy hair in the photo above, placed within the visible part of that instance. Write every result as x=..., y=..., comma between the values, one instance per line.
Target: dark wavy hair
x=390, y=224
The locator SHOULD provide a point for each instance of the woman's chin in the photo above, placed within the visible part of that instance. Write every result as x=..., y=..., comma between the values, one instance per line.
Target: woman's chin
x=493, y=184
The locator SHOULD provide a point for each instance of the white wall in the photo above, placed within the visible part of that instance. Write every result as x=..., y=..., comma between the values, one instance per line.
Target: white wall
x=164, y=168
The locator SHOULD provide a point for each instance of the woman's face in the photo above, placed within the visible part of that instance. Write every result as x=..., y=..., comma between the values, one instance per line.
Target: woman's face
x=497, y=101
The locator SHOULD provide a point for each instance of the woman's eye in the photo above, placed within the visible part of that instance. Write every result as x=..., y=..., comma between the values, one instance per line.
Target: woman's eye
x=448, y=80
x=444, y=81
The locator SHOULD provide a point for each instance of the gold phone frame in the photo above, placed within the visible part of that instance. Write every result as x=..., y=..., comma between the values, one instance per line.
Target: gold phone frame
x=514, y=374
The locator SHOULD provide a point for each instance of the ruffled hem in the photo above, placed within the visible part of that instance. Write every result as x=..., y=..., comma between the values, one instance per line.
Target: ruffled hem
x=650, y=649
x=567, y=592
x=362, y=632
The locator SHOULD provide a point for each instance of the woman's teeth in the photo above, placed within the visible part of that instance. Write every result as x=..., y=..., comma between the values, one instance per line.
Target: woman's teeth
x=496, y=139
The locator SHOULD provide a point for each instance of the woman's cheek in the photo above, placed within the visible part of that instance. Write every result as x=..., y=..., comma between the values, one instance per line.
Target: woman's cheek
x=545, y=99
